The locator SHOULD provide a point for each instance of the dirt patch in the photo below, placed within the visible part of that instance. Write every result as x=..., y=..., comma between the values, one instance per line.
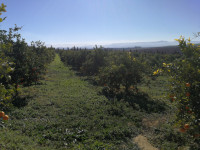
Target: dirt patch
x=153, y=122
x=143, y=143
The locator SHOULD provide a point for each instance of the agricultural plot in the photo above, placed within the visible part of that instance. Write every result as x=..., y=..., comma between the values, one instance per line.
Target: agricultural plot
x=67, y=112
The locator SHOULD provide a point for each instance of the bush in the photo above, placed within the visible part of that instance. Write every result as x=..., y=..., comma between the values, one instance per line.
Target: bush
x=6, y=88
x=122, y=74
x=93, y=62
x=73, y=57
x=20, y=64
x=29, y=61
x=185, y=87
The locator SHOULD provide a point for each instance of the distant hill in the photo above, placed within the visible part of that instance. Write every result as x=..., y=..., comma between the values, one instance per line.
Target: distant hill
x=157, y=46
x=163, y=49
x=141, y=44
x=124, y=45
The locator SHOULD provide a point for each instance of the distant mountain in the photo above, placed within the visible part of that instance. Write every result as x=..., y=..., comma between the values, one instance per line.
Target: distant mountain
x=141, y=44
x=128, y=44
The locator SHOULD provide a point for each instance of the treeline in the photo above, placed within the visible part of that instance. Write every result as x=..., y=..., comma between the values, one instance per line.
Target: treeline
x=157, y=50
x=20, y=64
x=148, y=50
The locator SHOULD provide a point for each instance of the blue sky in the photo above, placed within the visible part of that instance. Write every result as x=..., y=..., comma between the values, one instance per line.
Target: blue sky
x=82, y=22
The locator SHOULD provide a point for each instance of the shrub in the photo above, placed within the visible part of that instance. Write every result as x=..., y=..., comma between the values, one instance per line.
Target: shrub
x=123, y=73
x=6, y=88
x=20, y=64
x=94, y=61
x=185, y=87
x=29, y=61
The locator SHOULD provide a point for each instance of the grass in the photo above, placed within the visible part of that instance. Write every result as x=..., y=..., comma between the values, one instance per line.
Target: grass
x=157, y=88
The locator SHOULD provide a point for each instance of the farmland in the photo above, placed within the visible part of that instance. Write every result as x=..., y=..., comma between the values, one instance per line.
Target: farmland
x=96, y=99
x=66, y=111
x=99, y=98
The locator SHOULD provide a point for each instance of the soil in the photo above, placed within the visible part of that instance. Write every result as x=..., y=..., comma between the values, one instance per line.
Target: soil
x=143, y=143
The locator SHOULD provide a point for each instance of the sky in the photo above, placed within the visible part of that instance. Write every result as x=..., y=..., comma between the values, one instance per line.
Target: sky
x=83, y=22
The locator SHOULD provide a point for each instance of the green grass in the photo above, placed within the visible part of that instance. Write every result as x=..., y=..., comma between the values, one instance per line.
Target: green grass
x=11, y=140
x=65, y=112
x=156, y=88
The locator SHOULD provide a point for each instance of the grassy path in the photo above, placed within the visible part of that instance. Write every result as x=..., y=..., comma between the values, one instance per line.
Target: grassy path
x=65, y=112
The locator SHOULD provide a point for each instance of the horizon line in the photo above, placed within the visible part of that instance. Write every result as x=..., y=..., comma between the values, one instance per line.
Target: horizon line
x=160, y=43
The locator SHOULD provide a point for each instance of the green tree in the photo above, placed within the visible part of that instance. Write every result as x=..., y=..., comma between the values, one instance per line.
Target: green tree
x=185, y=87
x=2, y=9
x=6, y=88
x=122, y=72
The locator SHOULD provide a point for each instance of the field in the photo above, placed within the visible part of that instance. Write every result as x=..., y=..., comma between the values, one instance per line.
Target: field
x=117, y=97
x=64, y=111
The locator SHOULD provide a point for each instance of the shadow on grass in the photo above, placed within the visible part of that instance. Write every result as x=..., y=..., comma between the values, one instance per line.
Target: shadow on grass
x=142, y=101
x=91, y=81
x=21, y=101
x=138, y=100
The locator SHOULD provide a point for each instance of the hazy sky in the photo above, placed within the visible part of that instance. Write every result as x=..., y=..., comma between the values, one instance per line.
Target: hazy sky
x=102, y=21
